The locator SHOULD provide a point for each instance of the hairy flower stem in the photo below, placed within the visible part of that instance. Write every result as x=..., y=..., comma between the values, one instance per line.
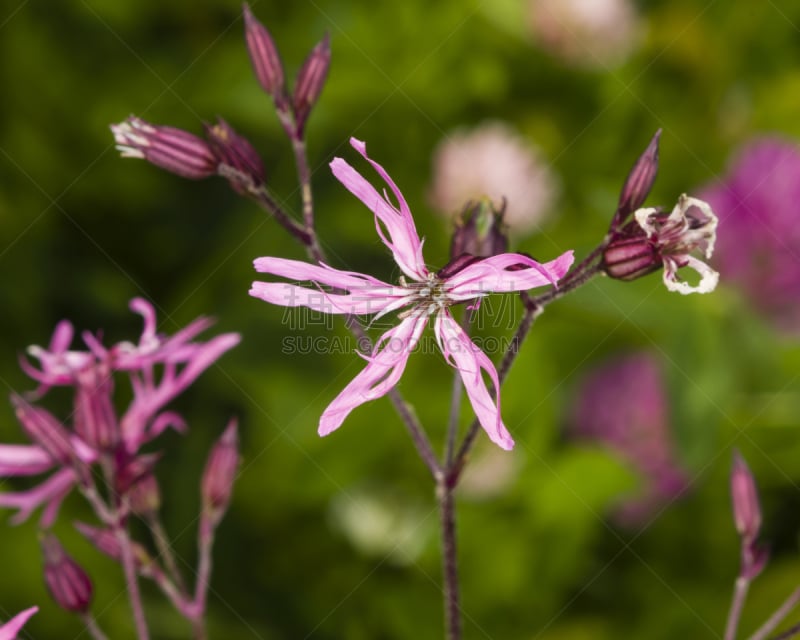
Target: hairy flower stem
x=165, y=551
x=452, y=608
x=92, y=627
x=737, y=603
x=131, y=579
x=776, y=618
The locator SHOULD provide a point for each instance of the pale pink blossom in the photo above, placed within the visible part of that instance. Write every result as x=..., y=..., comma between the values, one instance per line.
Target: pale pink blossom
x=421, y=294
x=585, y=33
x=10, y=629
x=495, y=162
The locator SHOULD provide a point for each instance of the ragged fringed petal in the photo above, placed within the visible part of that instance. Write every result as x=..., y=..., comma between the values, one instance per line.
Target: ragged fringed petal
x=11, y=629
x=708, y=277
x=384, y=369
x=49, y=494
x=506, y=272
x=402, y=239
x=57, y=365
x=365, y=295
x=471, y=362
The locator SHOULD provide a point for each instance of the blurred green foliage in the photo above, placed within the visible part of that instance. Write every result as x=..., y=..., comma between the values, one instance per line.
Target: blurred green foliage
x=83, y=231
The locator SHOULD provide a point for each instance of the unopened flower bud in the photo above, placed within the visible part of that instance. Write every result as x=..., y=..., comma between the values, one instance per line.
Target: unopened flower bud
x=105, y=541
x=629, y=258
x=44, y=430
x=754, y=559
x=220, y=473
x=480, y=231
x=264, y=56
x=234, y=151
x=145, y=496
x=639, y=181
x=746, y=508
x=66, y=581
x=310, y=80
x=95, y=419
x=172, y=149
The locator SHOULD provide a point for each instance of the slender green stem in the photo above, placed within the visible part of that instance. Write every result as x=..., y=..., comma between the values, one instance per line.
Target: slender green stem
x=452, y=607
x=776, y=618
x=737, y=604
x=165, y=551
x=92, y=627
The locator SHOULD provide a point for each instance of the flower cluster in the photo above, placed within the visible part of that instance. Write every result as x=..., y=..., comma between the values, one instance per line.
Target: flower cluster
x=95, y=434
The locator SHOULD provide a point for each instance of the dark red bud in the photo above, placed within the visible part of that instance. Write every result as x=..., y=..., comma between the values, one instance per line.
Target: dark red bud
x=66, y=581
x=631, y=258
x=234, y=151
x=639, y=182
x=310, y=80
x=264, y=56
x=44, y=430
x=480, y=230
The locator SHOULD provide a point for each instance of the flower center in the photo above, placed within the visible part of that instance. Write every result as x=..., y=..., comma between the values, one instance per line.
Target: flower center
x=430, y=295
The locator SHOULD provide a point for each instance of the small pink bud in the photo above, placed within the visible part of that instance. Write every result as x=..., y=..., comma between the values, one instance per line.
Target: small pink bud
x=480, y=231
x=640, y=180
x=44, y=430
x=174, y=150
x=754, y=559
x=66, y=581
x=220, y=473
x=310, y=80
x=746, y=508
x=264, y=56
x=106, y=542
x=129, y=471
x=234, y=151
x=95, y=419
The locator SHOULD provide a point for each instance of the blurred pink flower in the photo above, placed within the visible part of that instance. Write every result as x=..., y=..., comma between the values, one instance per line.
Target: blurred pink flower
x=425, y=295
x=10, y=629
x=493, y=161
x=585, y=33
x=623, y=405
x=758, y=247
x=159, y=369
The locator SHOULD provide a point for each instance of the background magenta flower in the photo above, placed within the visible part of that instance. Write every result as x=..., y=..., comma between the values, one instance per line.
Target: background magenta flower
x=758, y=247
x=623, y=405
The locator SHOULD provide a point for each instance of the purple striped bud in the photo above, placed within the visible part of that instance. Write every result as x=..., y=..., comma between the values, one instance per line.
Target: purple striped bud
x=264, y=56
x=746, y=508
x=234, y=151
x=95, y=419
x=220, y=473
x=172, y=149
x=66, y=581
x=106, y=542
x=639, y=181
x=480, y=231
x=310, y=80
x=44, y=430
x=630, y=258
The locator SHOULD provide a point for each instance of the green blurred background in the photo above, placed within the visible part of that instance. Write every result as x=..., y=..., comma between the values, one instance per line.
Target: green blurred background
x=337, y=537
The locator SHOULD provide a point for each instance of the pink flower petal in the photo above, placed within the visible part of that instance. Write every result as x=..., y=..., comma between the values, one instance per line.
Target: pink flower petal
x=23, y=460
x=403, y=240
x=365, y=294
x=501, y=273
x=10, y=629
x=461, y=353
x=52, y=489
x=385, y=367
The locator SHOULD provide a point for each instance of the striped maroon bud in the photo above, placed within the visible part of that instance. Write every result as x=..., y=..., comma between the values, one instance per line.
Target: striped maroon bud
x=220, y=473
x=95, y=419
x=639, y=181
x=234, y=151
x=44, y=430
x=66, y=581
x=264, y=56
x=310, y=80
x=628, y=258
x=129, y=471
x=174, y=150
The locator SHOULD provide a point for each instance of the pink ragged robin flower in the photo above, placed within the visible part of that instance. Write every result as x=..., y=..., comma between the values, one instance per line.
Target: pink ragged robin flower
x=10, y=629
x=159, y=368
x=421, y=294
